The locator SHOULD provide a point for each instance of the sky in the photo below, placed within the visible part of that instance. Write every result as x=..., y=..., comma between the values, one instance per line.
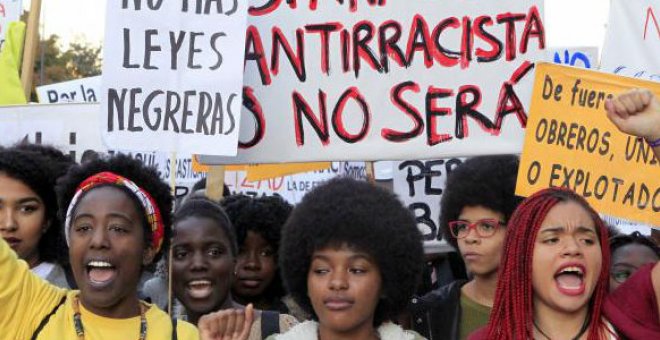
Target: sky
x=569, y=23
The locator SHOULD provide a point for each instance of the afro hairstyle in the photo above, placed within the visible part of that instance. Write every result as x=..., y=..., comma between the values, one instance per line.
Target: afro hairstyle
x=363, y=217
x=263, y=215
x=635, y=237
x=487, y=181
x=144, y=177
x=58, y=161
x=37, y=172
x=203, y=207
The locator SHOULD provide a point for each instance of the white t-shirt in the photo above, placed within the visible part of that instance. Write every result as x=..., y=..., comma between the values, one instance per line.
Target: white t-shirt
x=43, y=269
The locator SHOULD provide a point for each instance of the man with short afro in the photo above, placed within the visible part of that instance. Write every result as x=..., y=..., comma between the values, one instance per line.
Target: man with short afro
x=477, y=202
x=362, y=217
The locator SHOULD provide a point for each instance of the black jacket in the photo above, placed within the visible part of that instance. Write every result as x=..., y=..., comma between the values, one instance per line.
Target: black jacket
x=437, y=314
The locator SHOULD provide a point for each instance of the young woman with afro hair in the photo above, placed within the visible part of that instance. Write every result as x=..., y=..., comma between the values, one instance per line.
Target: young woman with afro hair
x=258, y=224
x=28, y=209
x=116, y=215
x=351, y=256
x=479, y=195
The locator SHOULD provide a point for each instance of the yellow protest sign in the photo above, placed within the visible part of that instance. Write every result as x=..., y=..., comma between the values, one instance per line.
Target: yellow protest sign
x=267, y=171
x=258, y=172
x=570, y=143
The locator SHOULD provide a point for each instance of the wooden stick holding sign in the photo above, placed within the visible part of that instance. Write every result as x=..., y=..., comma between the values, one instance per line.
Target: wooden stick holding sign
x=371, y=177
x=31, y=41
x=215, y=182
x=170, y=297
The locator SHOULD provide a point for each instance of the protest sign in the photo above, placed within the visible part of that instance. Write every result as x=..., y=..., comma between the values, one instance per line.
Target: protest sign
x=265, y=171
x=420, y=184
x=10, y=10
x=73, y=91
x=173, y=74
x=632, y=44
x=378, y=80
x=571, y=143
x=584, y=57
x=73, y=129
x=292, y=188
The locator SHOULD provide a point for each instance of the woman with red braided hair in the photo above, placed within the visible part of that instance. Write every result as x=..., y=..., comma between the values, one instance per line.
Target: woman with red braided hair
x=554, y=278
x=554, y=273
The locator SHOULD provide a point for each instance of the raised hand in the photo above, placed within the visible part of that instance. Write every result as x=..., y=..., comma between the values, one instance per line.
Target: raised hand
x=228, y=324
x=636, y=112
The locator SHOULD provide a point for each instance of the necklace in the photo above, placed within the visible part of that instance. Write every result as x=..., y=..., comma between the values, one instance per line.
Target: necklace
x=585, y=326
x=80, y=330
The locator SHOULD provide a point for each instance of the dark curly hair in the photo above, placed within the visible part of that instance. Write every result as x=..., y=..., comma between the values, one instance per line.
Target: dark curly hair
x=488, y=181
x=58, y=161
x=264, y=215
x=201, y=206
x=40, y=174
x=366, y=218
x=636, y=237
x=144, y=177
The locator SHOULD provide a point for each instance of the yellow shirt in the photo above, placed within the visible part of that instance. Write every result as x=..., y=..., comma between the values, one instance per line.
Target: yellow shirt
x=25, y=300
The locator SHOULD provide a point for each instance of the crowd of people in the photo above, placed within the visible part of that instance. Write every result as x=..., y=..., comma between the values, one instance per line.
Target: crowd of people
x=98, y=251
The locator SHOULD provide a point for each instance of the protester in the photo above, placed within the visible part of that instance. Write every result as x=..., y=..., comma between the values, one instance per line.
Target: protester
x=342, y=264
x=637, y=112
x=476, y=205
x=258, y=223
x=203, y=259
x=28, y=209
x=117, y=219
x=629, y=253
x=554, y=272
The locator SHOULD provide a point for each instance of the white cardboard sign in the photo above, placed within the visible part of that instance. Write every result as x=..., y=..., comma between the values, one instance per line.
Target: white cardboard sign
x=386, y=80
x=293, y=188
x=583, y=57
x=10, y=10
x=172, y=75
x=632, y=44
x=73, y=128
x=420, y=184
x=85, y=90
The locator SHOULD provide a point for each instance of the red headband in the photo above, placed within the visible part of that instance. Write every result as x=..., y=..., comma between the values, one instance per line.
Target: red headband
x=154, y=217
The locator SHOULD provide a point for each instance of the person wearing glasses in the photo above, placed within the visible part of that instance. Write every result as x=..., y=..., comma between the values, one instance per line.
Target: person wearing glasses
x=475, y=207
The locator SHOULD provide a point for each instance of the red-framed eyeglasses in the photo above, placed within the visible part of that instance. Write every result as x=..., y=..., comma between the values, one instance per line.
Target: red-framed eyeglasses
x=484, y=228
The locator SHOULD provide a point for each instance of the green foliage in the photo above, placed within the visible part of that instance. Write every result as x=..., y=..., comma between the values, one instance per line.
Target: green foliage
x=53, y=65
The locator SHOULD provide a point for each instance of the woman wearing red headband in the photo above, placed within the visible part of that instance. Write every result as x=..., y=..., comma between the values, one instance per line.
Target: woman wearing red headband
x=117, y=218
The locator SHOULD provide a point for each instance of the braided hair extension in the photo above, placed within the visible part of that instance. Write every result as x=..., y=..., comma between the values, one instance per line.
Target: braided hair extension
x=512, y=314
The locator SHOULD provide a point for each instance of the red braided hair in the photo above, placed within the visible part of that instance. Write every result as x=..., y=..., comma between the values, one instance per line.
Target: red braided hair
x=512, y=315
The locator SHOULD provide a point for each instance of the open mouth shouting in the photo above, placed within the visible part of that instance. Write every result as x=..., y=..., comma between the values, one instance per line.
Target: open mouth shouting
x=100, y=273
x=570, y=279
x=199, y=289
